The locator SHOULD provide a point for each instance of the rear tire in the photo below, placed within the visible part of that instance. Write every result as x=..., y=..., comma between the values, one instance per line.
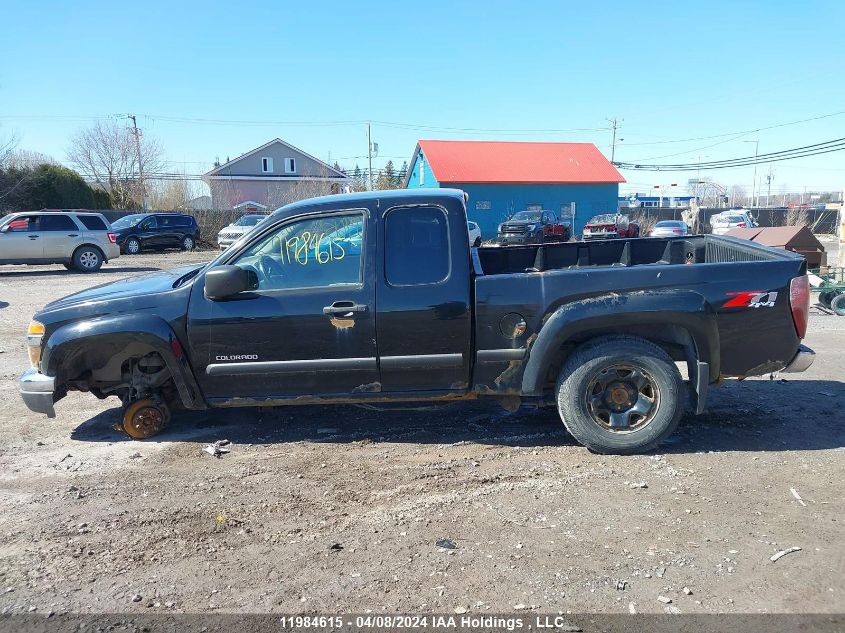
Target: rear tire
x=188, y=243
x=87, y=259
x=620, y=395
x=132, y=246
x=837, y=304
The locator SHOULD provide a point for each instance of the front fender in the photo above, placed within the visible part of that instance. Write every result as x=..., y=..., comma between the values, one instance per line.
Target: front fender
x=683, y=308
x=85, y=345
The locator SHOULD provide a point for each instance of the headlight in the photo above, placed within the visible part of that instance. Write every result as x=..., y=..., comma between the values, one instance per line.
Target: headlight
x=34, y=337
x=499, y=229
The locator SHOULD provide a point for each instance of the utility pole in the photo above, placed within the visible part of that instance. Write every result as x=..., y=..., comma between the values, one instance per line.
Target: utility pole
x=370, y=156
x=769, y=179
x=754, y=185
x=137, y=134
x=614, y=124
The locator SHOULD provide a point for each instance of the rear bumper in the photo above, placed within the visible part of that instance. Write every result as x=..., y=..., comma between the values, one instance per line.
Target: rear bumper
x=37, y=391
x=802, y=361
x=599, y=236
x=112, y=251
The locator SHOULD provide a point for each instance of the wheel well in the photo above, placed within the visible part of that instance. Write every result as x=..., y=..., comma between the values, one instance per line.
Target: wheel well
x=675, y=340
x=99, y=250
x=129, y=373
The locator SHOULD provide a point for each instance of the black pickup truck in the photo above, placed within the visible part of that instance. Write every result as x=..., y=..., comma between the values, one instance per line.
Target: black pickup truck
x=379, y=297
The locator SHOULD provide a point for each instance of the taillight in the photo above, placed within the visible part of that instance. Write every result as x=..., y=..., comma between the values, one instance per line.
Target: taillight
x=113, y=238
x=677, y=231
x=799, y=301
x=741, y=225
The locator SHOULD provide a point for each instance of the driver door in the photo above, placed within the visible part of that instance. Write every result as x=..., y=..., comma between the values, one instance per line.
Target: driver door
x=308, y=329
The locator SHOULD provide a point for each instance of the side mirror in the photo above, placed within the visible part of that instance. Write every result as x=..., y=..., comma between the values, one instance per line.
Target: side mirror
x=226, y=281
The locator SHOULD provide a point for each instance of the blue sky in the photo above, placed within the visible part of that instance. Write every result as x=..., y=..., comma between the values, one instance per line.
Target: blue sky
x=487, y=70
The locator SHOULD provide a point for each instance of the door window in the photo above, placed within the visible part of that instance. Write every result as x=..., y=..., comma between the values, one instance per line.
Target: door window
x=25, y=224
x=310, y=253
x=417, y=246
x=149, y=223
x=57, y=223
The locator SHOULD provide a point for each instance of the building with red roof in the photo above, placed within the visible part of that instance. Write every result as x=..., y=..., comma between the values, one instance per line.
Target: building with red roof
x=574, y=180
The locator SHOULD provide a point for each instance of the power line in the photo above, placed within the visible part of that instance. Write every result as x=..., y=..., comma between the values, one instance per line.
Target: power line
x=737, y=133
x=815, y=149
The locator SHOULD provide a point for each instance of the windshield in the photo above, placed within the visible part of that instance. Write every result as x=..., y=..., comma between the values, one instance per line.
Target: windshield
x=249, y=220
x=669, y=224
x=607, y=218
x=128, y=221
x=527, y=216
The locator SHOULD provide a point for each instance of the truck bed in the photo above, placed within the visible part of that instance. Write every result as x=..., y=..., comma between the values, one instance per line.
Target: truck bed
x=698, y=249
x=658, y=280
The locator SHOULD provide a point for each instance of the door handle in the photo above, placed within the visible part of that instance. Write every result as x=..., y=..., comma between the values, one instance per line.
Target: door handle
x=33, y=237
x=73, y=234
x=345, y=307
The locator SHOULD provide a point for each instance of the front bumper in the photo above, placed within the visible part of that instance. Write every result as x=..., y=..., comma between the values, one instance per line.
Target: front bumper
x=802, y=361
x=37, y=391
x=515, y=238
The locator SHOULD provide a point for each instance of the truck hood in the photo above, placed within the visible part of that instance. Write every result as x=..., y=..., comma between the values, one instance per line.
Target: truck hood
x=139, y=286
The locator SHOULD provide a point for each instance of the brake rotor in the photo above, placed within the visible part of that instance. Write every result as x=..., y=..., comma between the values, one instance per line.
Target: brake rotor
x=145, y=418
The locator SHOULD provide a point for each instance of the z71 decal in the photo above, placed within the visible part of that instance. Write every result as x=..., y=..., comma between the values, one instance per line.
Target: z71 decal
x=751, y=299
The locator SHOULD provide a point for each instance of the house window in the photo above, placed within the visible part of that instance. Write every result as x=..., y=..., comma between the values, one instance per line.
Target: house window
x=290, y=165
x=267, y=165
x=422, y=171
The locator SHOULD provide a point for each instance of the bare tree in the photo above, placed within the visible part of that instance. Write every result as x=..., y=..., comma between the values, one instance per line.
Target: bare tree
x=7, y=148
x=106, y=153
x=21, y=158
x=171, y=195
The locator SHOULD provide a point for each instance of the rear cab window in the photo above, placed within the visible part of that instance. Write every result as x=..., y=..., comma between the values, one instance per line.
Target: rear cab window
x=417, y=246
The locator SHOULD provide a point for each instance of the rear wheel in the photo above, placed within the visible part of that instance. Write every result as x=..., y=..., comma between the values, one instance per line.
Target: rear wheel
x=133, y=246
x=188, y=243
x=837, y=304
x=87, y=259
x=145, y=418
x=620, y=395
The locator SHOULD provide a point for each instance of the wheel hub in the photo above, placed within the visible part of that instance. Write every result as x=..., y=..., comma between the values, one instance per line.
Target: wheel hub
x=622, y=398
x=145, y=418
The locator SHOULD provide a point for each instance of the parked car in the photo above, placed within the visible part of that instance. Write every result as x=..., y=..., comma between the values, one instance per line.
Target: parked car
x=610, y=226
x=228, y=235
x=474, y=234
x=533, y=227
x=721, y=223
x=81, y=241
x=156, y=231
x=669, y=228
x=284, y=317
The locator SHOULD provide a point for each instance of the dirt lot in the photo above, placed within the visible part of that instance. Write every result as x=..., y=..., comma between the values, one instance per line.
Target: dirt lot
x=340, y=508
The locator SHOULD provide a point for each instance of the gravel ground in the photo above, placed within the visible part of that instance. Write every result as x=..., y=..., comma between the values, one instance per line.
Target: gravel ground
x=416, y=509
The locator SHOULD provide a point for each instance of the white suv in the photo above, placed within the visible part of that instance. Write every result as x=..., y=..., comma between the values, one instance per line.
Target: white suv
x=78, y=240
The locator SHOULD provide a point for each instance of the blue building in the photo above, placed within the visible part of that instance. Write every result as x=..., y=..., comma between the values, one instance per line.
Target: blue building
x=572, y=179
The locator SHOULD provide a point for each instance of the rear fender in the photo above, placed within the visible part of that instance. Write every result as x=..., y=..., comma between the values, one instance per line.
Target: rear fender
x=90, y=345
x=666, y=311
